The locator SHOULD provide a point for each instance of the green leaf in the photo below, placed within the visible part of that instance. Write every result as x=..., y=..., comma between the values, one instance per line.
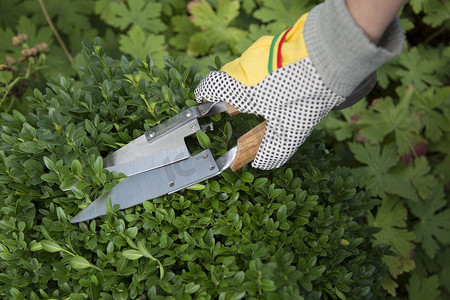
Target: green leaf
x=417, y=5
x=6, y=179
x=131, y=232
x=385, y=118
x=387, y=73
x=306, y=284
x=418, y=173
x=216, y=25
x=77, y=169
x=16, y=293
x=143, y=249
x=203, y=139
x=437, y=13
x=285, y=13
x=418, y=70
x=138, y=13
x=434, y=226
x=340, y=294
x=176, y=76
x=98, y=165
x=109, y=208
x=78, y=262
x=35, y=36
x=103, y=9
x=260, y=182
x=5, y=77
x=443, y=259
x=429, y=107
x=66, y=14
x=344, y=124
x=37, y=247
x=139, y=44
x=132, y=254
x=196, y=187
x=49, y=163
x=184, y=29
x=77, y=36
x=58, y=64
x=203, y=13
x=420, y=287
x=51, y=246
x=268, y=285
x=239, y=278
x=377, y=175
x=247, y=177
x=32, y=147
x=391, y=218
x=188, y=238
x=191, y=288
x=66, y=184
x=11, y=12
x=281, y=213
x=390, y=286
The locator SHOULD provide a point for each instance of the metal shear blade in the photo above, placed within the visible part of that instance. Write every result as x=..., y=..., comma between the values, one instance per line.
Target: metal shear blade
x=158, y=163
x=162, y=145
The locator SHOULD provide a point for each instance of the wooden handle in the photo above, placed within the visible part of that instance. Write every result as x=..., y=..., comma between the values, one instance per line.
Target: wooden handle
x=231, y=110
x=248, y=145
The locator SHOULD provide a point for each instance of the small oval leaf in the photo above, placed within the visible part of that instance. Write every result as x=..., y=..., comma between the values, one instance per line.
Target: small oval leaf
x=77, y=169
x=78, y=262
x=203, y=139
x=247, y=177
x=50, y=246
x=36, y=247
x=132, y=254
x=196, y=187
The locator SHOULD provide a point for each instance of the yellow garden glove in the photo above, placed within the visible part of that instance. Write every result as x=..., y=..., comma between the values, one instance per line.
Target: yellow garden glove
x=295, y=78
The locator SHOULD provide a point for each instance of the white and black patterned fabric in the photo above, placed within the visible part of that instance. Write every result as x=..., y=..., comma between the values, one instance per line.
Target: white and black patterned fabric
x=293, y=99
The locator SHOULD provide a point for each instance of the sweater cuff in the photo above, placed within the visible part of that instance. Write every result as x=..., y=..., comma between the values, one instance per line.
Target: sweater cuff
x=339, y=49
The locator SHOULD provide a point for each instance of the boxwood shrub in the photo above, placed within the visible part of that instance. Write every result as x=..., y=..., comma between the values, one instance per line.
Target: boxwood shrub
x=297, y=232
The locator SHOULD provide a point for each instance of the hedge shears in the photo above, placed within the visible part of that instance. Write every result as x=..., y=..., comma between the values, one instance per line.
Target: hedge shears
x=159, y=163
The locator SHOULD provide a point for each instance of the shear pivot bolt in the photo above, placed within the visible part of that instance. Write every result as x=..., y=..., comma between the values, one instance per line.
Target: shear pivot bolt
x=188, y=113
x=211, y=167
x=151, y=134
x=193, y=127
x=171, y=183
x=205, y=156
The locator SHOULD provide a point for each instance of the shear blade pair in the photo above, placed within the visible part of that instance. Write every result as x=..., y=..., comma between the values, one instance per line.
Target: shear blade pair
x=159, y=163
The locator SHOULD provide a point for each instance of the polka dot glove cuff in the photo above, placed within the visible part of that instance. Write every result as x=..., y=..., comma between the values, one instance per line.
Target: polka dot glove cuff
x=293, y=99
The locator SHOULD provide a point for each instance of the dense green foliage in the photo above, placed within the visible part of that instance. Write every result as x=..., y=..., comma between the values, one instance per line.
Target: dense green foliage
x=247, y=234
x=398, y=139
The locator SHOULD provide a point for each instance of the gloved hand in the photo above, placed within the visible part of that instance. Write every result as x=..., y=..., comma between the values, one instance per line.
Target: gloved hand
x=290, y=79
x=292, y=99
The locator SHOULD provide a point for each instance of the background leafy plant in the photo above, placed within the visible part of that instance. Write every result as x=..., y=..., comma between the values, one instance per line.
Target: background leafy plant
x=400, y=132
x=400, y=152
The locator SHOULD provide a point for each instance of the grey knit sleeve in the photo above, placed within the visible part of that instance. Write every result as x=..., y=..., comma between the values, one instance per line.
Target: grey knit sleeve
x=339, y=49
